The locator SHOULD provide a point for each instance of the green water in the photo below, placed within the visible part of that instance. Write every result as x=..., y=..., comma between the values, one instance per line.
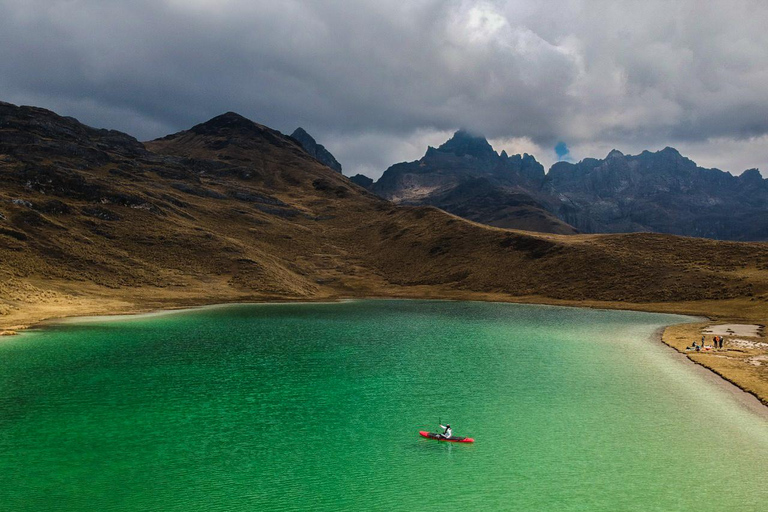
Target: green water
x=317, y=407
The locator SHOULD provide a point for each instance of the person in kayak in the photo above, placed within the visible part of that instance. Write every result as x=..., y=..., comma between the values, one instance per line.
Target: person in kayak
x=446, y=432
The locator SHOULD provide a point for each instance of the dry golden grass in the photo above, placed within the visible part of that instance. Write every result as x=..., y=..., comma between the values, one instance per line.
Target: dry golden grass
x=211, y=220
x=745, y=367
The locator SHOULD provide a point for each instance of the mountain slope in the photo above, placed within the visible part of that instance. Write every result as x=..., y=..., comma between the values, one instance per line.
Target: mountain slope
x=466, y=177
x=662, y=192
x=232, y=210
x=318, y=151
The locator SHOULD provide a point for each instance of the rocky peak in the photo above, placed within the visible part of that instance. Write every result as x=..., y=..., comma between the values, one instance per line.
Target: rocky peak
x=362, y=180
x=464, y=143
x=318, y=151
x=672, y=155
x=615, y=153
x=229, y=134
x=26, y=130
x=670, y=151
x=751, y=176
x=229, y=121
x=301, y=135
x=666, y=161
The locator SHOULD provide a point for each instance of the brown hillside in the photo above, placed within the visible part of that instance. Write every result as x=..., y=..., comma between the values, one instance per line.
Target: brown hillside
x=93, y=221
x=240, y=210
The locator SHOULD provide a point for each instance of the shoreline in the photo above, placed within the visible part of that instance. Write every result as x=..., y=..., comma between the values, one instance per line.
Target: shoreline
x=750, y=398
x=128, y=308
x=743, y=397
x=701, y=360
x=140, y=312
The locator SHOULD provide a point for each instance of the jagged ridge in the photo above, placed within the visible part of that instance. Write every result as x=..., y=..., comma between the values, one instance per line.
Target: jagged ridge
x=658, y=192
x=316, y=150
x=465, y=176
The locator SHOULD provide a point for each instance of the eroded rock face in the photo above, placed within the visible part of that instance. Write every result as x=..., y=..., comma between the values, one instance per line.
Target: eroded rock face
x=316, y=150
x=466, y=177
x=35, y=130
x=362, y=180
x=464, y=157
x=657, y=192
x=661, y=192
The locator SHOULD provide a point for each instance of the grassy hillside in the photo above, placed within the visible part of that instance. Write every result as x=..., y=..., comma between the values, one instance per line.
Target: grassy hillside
x=93, y=221
x=235, y=204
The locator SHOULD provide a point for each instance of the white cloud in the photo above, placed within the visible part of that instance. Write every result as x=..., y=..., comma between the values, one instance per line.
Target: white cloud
x=521, y=145
x=371, y=153
x=369, y=78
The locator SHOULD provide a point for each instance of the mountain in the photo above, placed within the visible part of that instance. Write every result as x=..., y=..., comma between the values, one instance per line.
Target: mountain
x=466, y=177
x=316, y=150
x=362, y=180
x=485, y=201
x=660, y=192
x=94, y=221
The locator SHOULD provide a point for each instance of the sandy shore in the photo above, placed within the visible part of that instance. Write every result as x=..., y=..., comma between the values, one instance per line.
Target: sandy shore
x=745, y=399
x=742, y=362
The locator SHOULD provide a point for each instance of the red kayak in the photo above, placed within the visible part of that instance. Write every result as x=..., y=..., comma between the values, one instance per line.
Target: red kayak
x=452, y=439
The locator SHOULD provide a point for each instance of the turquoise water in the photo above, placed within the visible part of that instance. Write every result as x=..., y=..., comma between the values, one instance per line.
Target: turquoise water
x=318, y=406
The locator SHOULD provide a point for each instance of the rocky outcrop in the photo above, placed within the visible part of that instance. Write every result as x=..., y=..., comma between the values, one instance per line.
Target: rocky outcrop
x=466, y=177
x=362, y=180
x=483, y=201
x=316, y=150
x=24, y=129
x=465, y=156
x=660, y=192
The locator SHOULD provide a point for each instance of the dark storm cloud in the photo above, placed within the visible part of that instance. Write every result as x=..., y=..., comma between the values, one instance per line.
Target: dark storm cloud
x=377, y=80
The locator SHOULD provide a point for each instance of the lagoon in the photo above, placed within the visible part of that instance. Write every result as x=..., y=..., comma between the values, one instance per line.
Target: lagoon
x=318, y=407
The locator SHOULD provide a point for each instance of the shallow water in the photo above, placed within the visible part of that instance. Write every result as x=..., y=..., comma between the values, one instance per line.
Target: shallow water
x=317, y=406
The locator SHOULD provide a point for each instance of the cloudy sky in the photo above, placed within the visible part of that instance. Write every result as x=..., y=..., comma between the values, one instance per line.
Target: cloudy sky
x=377, y=81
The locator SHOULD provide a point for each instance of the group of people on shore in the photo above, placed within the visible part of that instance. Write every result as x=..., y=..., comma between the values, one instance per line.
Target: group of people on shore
x=717, y=342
